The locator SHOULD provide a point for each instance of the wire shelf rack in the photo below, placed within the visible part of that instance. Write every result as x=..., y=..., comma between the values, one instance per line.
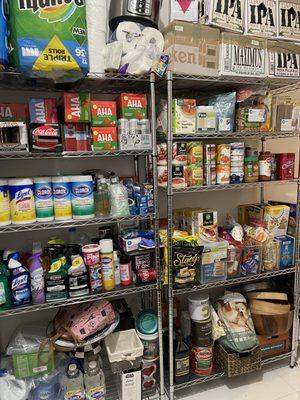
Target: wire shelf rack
x=235, y=281
x=40, y=226
x=119, y=292
x=237, y=135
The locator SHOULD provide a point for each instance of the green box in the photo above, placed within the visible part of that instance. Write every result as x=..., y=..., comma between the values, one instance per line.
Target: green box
x=32, y=364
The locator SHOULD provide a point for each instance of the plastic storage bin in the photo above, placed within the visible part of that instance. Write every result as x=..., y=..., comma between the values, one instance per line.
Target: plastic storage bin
x=125, y=350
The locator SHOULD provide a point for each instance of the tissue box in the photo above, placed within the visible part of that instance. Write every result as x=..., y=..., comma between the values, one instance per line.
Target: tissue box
x=13, y=112
x=76, y=137
x=184, y=10
x=261, y=18
x=288, y=26
x=224, y=14
x=77, y=107
x=193, y=49
x=27, y=365
x=132, y=106
x=285, y=251
x=43, y=111
x=131, y=244
x=13, y=137
x=104, y=113
x=243, y=56
x=284, y=59
x=104, y=138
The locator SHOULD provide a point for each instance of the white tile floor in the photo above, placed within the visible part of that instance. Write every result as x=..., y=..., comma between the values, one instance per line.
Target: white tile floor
x=274, y=382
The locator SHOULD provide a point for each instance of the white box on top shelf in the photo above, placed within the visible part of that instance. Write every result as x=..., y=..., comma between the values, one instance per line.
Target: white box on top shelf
x=261, y=18
x=288, y=26
x=226, y=14
x=243, y=56
x=284, y=59
x=183, y=10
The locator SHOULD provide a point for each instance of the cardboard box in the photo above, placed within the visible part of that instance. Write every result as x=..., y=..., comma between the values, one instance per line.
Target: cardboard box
x=77, y=107
x=229, y=15
x=288, y=26
x=286, y=251
x=292, y=218
x=206, y=226
x=284, y=59
x=13, y=112
x=76, y=137
x=13, y=137
x=182, y=10
x=193, y=49
x=243, y=56
x=130, y=385
x=45, y=138
x=104, y=138
x=184, y=116
x=276, y=219
x=132, y=106
x=104, y=113
x=43, y=111
x=261, y=18
x=32, y=364
x=274, y=346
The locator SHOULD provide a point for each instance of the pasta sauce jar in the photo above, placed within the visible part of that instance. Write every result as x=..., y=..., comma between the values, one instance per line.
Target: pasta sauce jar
x=265, y=166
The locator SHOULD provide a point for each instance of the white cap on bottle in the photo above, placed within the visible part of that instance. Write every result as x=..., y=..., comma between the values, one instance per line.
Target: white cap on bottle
x=106, y=246
x=92, y=364
x=72, y=367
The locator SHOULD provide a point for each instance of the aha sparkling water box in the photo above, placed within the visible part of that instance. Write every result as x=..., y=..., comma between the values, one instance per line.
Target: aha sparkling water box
x=104, y=113
x=77, y=107
x=132, y=106
x=13, y=112
x=104, y=138
x=49, y=38
x=43, y=111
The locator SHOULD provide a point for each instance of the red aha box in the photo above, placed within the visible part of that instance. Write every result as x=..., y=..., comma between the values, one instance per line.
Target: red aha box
x=104, y=138
x=104, y=113
x=13, y=112
x=77, y=107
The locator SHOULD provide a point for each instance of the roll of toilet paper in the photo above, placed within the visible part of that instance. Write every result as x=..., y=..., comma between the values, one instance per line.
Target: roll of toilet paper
x=136, y=62
x=96, y=15
x=151, y=37
x=128, y=34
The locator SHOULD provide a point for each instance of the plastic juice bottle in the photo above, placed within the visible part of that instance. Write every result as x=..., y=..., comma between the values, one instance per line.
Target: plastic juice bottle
x=5, y=300
x=107, y=264
x=94, y=381
x=73, y=384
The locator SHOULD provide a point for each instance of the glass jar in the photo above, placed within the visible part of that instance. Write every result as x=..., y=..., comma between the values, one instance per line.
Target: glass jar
x=265, y=166
x=251, y=169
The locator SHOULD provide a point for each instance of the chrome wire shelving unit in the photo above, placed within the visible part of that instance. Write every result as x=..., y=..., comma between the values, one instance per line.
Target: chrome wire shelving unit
x=106, y=84
x=179, y=85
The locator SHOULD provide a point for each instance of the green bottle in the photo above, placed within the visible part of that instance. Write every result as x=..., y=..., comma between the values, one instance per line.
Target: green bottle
x=5, y=300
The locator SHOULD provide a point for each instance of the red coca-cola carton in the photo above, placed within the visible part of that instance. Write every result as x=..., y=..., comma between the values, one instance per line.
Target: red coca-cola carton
x=13, y=112
x=45, y=138
x=285, y=166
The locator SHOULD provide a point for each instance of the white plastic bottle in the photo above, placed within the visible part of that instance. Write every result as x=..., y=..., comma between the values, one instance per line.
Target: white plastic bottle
x=73, y=387
x=117, y=268
x=94, y=381
x=119, y=206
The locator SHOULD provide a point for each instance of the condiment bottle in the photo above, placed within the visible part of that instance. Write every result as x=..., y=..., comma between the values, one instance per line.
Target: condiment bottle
x=265, y=166
x=182, y=361
x=126, y=271
x=251, y=169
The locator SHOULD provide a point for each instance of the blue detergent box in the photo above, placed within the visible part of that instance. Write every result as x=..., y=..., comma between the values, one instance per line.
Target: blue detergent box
x=286, y=250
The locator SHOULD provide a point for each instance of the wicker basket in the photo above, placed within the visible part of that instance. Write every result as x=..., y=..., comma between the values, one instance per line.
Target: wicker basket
x=235, y=364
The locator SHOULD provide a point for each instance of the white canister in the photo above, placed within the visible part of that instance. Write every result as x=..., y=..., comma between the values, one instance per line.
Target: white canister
x=62, y=198
x=82, y=196
x=4, y=203
x=22, y=207
x=199, y=307
x=43, y=196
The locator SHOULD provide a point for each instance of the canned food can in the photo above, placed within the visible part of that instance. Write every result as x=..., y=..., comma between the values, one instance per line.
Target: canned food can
x=123, y=124
x=134, y=126
x=209, y=153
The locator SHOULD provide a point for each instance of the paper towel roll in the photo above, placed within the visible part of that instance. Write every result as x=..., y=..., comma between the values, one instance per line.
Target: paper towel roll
x=128, y=33
x=96, y=15
x=153, y=37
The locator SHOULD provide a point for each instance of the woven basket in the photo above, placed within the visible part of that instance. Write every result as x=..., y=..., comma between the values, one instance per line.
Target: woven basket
x=235, y=364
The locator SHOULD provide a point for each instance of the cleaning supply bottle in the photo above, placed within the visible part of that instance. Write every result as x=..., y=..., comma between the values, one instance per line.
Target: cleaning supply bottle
x=78, y=277
x=73, y=384
x=5, y=300
x=119, y=205
x=117, y=268
x=94, y=381
x=19, y=283
x=36, y=270
x=107, y=264
x=102, y=206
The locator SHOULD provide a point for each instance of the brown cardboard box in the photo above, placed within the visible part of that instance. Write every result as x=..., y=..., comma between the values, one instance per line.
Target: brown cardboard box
x=193, y=49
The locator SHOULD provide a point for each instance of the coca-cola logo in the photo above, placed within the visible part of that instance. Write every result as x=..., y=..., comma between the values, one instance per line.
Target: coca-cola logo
x=289, y=164
x=45, y=130
x=81, y=191
x=43, y=192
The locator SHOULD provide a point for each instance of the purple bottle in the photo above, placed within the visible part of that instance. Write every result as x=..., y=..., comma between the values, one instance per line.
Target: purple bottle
x=37, y=280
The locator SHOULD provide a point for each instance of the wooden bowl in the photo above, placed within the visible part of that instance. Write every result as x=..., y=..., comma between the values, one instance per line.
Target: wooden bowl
x=268, y=307
x=273, y=325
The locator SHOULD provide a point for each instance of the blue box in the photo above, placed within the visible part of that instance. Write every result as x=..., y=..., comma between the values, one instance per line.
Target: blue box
x=286, y=251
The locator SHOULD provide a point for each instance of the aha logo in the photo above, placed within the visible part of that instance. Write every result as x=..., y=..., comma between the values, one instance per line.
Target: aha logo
x=60, y=192
x=52, y=10
x=82, y=191
x=43, y=192
x=23, y=195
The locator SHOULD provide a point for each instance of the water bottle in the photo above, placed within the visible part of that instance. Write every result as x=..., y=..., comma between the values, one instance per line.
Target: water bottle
x=102, y=204
x=94, y=381
x=73, y=387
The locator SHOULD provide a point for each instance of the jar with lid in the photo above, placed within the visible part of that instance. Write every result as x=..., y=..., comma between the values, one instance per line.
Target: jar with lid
x=265, y=166
x=251, y=169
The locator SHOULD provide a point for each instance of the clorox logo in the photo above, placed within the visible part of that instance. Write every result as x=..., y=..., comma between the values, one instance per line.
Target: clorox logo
x=52, y=10
x=60, y=192
x=43, y=192
x=82, y=191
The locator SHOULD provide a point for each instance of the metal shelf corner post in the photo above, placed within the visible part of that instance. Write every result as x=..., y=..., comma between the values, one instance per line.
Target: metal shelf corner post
x=156, y=230
x=169, y=233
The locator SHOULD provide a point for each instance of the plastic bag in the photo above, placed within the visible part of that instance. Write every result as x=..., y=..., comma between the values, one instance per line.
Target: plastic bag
x=12, y=388
x=28, y=339
x=224, y=105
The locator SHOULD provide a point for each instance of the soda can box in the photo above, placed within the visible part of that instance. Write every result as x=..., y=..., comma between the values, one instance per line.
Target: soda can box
x=288, y=26
x=49, y=38
x=43, y=111
x=225, y=14
x=45, y=138
x=76, y=137
x=285, y=251
x=261, y=18
x=77, y=107
x=104, y=113
x=132, y=106
x=3, y=35
x=104, y=138
x=13, y=112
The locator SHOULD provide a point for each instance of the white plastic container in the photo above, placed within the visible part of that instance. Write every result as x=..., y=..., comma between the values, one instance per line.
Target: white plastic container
x=199, y=307
x=4, y=203
x=62, y=198
x=43, y=196
x=82, y=196
x=22, y=207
